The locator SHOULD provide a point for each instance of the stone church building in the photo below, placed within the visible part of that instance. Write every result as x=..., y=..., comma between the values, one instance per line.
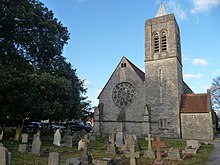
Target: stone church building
x=157, y=101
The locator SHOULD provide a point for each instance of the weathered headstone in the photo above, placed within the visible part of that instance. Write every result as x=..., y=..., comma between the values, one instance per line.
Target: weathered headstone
x=111, y=148
x=4, y=158
x=86, y=158
x=158, y=160
x=103, y=161
x=36, y=145
x=81, y=145
x=73, y=161
x=24, y=138
x=22, y=148
x=54, y=158
x=130, y=141
x=119, y=139
x=133, y=155
x=57, y=138
x=193, y=144
x=173, y=154
x=149, y=153
x=68, y=142
x=1, y=135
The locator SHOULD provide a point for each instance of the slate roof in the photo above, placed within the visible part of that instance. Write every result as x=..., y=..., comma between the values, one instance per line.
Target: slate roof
x=139, y=72
x=194, y=103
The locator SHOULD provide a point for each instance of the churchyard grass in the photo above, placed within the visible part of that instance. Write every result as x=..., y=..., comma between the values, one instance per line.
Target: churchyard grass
x=97, y=149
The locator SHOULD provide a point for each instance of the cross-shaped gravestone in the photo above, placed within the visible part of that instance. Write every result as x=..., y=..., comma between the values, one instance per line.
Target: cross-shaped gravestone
x=85, y=156
x=133, y=155
x=149, y=139
x=158, y=160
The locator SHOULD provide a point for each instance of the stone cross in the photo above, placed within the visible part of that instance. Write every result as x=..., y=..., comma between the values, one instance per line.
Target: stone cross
x=133, y=155
x=158, y=145
x=149, y=139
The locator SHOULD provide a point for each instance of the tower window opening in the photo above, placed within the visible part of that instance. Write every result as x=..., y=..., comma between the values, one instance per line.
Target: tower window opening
x=123, y=65
x=164, y=41
x=156, y=43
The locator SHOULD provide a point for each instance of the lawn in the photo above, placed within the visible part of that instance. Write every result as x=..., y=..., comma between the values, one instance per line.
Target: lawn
x=97, y=149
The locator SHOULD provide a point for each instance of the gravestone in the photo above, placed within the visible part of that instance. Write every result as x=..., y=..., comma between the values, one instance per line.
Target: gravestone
x=158, y=160
x=4, y=157
x=119, y=139
x=81, y=145
x=149, y=153
x=130, y=141
x=1, y=135
x=111, y=148
x=192, y=146
x=54, y=158
x=73, y=161
x=36, y=145
x=22, y=148
x=86, y=158
x=57, y=138
x=68, y=141
x=103, y=161
x=24, y=138
x=133, y=155
x=173, y=154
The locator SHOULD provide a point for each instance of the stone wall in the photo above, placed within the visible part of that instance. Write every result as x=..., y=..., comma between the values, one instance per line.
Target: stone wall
x=197, y=126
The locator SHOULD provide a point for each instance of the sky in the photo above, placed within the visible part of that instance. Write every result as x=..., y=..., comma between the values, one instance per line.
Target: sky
x=103, y=31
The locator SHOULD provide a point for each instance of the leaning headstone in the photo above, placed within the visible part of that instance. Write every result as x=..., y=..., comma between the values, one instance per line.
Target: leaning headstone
x=54, y=158
x=36, y=145
x=173, y=154
x=73, y=161
x=57, y=138
x=81, y=145
x=133, y=155
x=22, y=148
x=103, y=161
x=158, y=160
x=4, y=158
x=24, y=138
x=86, y=158
x=149, y=153
x=1, y=135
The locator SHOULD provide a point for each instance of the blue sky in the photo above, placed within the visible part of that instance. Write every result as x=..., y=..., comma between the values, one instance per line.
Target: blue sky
x=103, y=31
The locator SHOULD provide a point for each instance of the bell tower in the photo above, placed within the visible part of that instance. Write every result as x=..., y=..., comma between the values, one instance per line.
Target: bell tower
x=163, y=73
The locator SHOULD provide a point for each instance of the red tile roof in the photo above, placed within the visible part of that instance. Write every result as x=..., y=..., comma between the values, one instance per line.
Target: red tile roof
x=194, y=103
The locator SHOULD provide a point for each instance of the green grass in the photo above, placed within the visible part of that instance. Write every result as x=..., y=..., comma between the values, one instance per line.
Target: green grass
x=97, y=149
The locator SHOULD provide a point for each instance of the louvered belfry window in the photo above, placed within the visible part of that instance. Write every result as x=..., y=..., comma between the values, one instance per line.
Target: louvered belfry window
x=156, y=42
x=164, y=41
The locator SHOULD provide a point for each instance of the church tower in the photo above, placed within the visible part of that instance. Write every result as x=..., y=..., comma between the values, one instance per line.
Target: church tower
x=163, y=74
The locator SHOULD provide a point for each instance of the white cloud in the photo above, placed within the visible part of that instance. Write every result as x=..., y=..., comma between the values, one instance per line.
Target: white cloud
x=204, y=5
x=200, y=61
x=87, y=83
x=175, y=7
x=196, y=76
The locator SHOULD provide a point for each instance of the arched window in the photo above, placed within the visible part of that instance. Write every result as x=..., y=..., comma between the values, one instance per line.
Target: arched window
x=156, y=42
x=163, y=41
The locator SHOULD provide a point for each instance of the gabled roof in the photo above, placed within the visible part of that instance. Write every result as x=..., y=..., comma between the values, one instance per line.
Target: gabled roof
x=161, y=11
x=140, y=73
x=194, y=103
